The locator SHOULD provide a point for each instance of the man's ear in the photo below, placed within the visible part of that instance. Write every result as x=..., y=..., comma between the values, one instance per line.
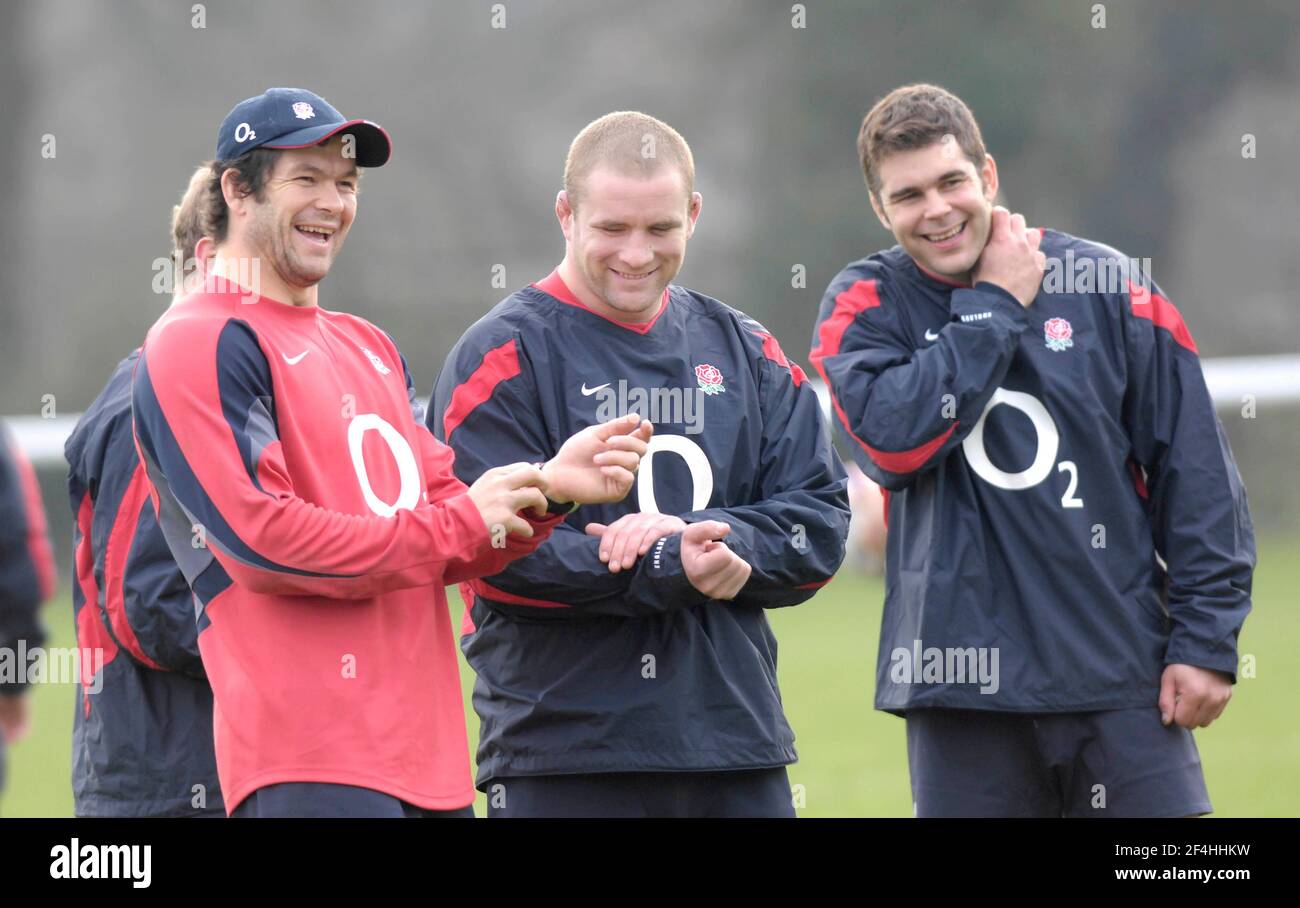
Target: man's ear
x=204, y=249
x=879, y=210
x=564, y=214
x=233, y=190
x=693, y=213
x=989, y=173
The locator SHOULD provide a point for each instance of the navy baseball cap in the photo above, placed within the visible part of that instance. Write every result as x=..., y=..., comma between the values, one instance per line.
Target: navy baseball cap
x=296, y=118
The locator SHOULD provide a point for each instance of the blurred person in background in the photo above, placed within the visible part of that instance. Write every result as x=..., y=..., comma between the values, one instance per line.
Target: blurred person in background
x=142, y=731
x=26, y=581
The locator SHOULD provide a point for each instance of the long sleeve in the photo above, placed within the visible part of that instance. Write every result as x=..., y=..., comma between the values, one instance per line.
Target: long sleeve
x=906, y=406
x=145, y=604
x=793, y=535
x=1197, y=503
x=487, y=408
x=441, y=483
x=206, y=423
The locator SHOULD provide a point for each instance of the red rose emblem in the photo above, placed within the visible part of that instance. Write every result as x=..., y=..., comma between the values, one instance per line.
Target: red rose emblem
x=709, y=378
x=1057, y=332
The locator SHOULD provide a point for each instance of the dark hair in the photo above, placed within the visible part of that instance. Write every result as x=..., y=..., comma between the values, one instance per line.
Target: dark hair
x=251, y=170
x=912, y=117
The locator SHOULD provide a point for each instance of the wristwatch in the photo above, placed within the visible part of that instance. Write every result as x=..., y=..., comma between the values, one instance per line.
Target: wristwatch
x=558, y=507
x=561, y=507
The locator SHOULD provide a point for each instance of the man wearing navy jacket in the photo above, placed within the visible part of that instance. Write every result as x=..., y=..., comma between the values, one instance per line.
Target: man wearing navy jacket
x=142, y=732
x=626, y=667
x=1070, y=553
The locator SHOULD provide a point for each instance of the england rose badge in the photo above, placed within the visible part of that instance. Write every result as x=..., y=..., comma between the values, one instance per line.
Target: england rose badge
x=1058, y=333
x=709, y=378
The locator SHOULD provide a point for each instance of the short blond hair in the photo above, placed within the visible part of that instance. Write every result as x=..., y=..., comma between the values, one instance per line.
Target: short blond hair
x=630, y=142
x=189, y=217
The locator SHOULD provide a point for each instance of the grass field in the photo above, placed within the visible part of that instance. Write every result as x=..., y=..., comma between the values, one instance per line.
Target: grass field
x=853, y=760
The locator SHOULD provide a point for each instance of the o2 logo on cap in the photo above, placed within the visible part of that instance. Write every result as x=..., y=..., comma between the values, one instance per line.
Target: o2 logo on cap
x=302, y=110
x=244, y=133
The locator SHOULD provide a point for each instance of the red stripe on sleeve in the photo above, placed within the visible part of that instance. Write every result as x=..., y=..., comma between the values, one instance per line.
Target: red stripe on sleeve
x=116, y=556
x=38, y=538
x=500, y=364
x=814, y=586
x=1162, y=313
x=91, y=633
x=772, y=350
x=486, y=589
x=860, y=297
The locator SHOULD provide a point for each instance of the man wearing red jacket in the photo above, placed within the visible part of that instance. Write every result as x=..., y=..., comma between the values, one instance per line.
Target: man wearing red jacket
x=314, y=517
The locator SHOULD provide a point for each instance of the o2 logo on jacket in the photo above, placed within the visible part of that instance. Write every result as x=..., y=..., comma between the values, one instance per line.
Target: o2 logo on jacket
x=407, y=468
x=1047, y=442
x=696, y=461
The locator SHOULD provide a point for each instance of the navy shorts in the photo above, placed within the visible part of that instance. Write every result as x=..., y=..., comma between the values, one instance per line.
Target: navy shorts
x=733, y=793
x=319, y=800
x=1117, y=763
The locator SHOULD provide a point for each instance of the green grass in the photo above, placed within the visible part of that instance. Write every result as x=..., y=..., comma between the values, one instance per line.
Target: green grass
x=852, y=759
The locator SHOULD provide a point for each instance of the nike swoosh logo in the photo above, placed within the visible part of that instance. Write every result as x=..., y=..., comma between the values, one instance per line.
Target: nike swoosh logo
x=930, y=335
x=587, y=392
x=294, y=360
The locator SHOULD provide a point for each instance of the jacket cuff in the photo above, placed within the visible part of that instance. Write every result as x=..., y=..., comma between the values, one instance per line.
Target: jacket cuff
x=988, y=301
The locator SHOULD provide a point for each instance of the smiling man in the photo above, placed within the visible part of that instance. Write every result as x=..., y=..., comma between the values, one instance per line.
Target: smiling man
x=626, y=667
x=1046, y=447
x=314, y=517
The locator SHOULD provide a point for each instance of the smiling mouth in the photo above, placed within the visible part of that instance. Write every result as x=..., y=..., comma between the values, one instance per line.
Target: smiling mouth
x=947, y=235
x=317, y=236
x=629, y=276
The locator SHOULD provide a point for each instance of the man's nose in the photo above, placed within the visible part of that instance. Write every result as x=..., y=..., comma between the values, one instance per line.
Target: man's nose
x=329, y=198
x=637, y=254
x=936, y=206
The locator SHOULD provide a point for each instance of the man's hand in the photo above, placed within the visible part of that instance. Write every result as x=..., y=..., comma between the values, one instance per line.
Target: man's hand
x=1011, y=258
x=598, y=464
x=1193, y=697
x=631, y=536
x=15, y=717
x=501, y=492
x=713, y=569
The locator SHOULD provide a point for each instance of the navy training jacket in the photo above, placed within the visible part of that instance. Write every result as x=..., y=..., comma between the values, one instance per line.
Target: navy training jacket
x=1065, y=515
x=581, y=670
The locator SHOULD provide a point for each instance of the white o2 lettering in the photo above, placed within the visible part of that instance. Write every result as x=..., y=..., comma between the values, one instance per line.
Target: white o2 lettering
x=244, y=132
x=1047, y=443
x=696, y=461
x=407, y=469
x=1068, y=500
